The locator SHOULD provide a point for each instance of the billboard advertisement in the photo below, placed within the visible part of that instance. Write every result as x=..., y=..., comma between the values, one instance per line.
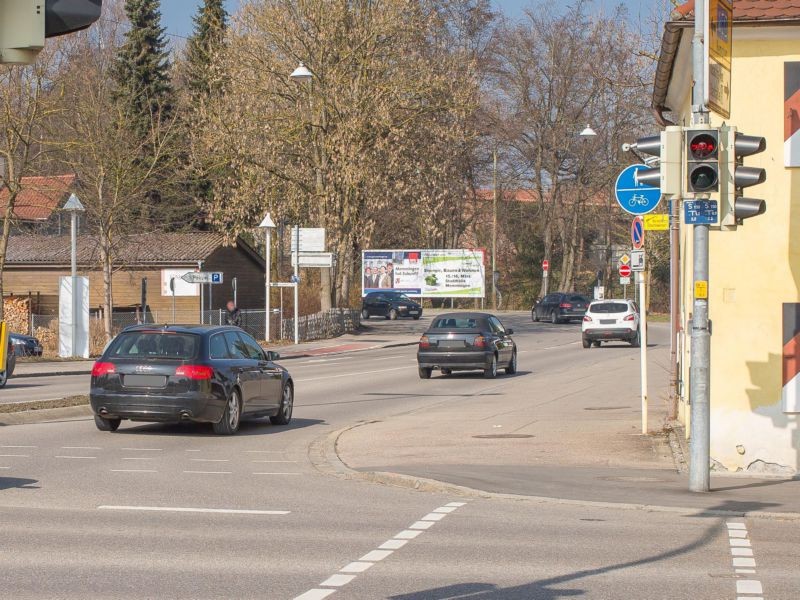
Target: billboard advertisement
x=425, y=273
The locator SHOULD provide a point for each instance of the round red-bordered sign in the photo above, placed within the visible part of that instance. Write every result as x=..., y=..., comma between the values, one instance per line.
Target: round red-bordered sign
x=624, y=270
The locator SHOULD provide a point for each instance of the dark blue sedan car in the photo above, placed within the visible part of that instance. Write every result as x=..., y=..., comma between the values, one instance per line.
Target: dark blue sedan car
x=203, y=374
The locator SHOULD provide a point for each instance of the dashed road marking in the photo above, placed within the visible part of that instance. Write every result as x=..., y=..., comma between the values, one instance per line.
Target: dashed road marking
x=81, y=448
x=76, y=457
x=225, y=511
x=143, y=449
x=15, y=455
x=743, y=562
x=350, y=571
x=15, y=447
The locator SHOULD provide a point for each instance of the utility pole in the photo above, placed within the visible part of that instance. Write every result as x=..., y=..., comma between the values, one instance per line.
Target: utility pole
x=674, y=303
x=494, y=231
x=700, y=444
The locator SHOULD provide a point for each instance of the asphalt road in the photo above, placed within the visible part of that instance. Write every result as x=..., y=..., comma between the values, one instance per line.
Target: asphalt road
x=157, y=511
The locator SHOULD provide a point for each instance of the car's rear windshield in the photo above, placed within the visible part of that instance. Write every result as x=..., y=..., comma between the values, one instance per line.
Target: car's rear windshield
x=578, y=299
x=150, y=344
x=609, y=307
x=397, y=297
x=456, y=323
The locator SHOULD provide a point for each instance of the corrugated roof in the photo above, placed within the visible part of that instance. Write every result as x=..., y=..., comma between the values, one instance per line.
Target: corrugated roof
x=39, y=196
x=750, y=10
x=143, y=249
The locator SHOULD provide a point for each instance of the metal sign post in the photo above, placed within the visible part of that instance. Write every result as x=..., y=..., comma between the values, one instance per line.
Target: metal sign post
x=172, y=289
x=638, y=266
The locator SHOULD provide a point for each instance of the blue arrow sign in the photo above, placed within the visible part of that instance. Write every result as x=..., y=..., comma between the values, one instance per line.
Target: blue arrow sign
x=633, y=197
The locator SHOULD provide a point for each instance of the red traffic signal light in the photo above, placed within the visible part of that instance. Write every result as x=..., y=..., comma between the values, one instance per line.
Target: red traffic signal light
x=702, y=160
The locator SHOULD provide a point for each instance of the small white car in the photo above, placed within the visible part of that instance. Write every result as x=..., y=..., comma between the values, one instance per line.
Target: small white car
x=607, y=320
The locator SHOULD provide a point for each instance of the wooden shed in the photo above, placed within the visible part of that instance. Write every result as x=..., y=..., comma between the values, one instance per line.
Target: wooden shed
x=35, y=263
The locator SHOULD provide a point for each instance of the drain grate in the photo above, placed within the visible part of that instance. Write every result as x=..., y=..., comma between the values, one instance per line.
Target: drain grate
x=503, y=436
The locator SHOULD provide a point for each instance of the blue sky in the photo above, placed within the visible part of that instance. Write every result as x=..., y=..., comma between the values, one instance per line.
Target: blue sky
x=177, y=14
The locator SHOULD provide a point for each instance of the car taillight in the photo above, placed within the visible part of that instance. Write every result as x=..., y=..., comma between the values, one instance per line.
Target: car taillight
x=424, y=342
x=565, y=305
x=479, y=342
x=587, y=319
x=103, y=368
x=630, y=318
x=195, y=371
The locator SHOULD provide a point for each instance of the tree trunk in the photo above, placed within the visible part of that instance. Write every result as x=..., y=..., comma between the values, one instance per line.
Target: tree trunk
x=108, y=302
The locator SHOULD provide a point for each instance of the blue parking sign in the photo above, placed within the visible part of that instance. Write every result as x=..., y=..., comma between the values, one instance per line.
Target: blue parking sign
x=634, y=197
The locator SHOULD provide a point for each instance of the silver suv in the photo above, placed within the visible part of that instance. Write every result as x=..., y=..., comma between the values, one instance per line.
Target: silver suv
x=607, y=320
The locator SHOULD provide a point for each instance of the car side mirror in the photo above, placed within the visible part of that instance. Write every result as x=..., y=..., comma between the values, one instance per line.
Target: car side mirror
x=509, y=332
x=273, y=356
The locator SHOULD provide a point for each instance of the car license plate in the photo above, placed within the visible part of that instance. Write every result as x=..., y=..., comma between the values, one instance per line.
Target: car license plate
x=451, y=344
x=607, y=321
x=144, y=381
x=413, y=312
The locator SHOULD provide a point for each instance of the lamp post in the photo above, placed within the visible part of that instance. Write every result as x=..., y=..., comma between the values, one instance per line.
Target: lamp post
x=267, y=225
x=74, y=207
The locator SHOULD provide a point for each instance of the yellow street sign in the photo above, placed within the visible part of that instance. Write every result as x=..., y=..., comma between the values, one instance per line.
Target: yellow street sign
x=701, y=290
x=624, y=259
x=717, y=59
x=656, y=222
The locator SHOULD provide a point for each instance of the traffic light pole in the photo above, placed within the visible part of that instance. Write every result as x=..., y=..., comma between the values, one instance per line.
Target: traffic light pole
x=700, y=419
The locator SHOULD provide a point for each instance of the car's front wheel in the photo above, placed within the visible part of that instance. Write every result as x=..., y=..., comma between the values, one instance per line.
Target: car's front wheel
x=512, y=365
x=392, y=315
x=364, y=314
x=104, y=424
x=554, y=318
x=491, y=372
x=425, y=372
x=534, y=316
x=229, y=423
x=287, y=405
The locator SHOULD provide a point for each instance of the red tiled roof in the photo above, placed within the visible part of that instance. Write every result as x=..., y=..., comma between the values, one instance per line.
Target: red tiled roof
x=39, y=196
x=750, y=10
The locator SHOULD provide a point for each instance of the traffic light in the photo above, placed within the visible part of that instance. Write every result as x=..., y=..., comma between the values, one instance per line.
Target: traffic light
x=667, y=146
x=702, y=161
x=734, y=208
x=24, y=25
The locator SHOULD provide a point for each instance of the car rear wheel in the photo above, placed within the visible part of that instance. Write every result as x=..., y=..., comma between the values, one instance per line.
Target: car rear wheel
x=636, y=341
x=554, y=318
x=425, y=372
x=364, y=314
x=597, y=344
x=491, y=372
x=534, y=316
x=512, y=365
x=392, y=315
x=3, y=379
x=229, y=423
x=446, y=372
x=416, y=317
x=587, y=343
x=104, y=424
x=287, y=405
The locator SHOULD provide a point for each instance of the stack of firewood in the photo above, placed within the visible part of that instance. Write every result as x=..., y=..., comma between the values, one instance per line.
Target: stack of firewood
x=17, y=314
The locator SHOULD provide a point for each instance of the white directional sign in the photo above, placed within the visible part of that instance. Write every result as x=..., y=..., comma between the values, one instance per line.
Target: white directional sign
x=202, y=277
x=314, y=259
x=312, y=239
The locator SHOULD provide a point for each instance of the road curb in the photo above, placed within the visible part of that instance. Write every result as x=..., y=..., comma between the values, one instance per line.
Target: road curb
x=324, y=456
x=51, y=374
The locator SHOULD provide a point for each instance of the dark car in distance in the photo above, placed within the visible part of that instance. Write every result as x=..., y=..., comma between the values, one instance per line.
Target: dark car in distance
x=197, y=373
x=467, y=342
x=25, y=345
x=560, y=307
x=390, y=305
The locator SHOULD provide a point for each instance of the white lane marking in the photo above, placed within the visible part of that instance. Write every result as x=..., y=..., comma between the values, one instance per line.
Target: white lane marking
x=338, y=580
x=277, y=473
x=732, y=525
x=4, y=468
x=79, y=457
x=407, y=535
x=356, y=567
x=352, y=374
x=81, y=448
x=375, y=555
x=209, y=472
x=749, y=586
x=210, y=459
x=348, y=572
x=741, y=552
x=133, y=471
x=434, y=517
x=392, y=544
x=15, y=455
x=737, y=534
x=315, y=594
x=143, y=449
x=193, y=450
x=19, y=446
x=222, y=511
x=740, y=542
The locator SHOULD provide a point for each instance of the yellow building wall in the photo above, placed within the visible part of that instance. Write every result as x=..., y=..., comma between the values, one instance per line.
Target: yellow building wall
x=753, y=271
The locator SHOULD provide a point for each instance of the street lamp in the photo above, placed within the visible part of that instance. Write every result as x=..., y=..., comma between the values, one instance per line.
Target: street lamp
x=267, y=225
x=587, y=133
x=301, y=74
x=74, y=207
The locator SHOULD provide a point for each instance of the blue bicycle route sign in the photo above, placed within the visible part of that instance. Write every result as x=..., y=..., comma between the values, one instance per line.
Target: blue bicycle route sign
x=633, y=197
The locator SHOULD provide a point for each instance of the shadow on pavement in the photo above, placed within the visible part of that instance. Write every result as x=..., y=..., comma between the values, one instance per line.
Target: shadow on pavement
x=247, y=428
x=17, y=482
x=542, y=590
x=767, y=483
x=736, y=506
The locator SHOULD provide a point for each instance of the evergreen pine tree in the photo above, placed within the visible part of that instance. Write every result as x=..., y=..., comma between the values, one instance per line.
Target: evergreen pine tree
x=142, y=70
x=206, y=41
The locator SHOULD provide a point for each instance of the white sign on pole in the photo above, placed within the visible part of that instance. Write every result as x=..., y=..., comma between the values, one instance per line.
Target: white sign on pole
x=599, y=292
x=182, y=288
x=65, y=315
x=624, y=280
x=637, y=260
x=314, y=259
x=312, y=239
x=202, y=277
